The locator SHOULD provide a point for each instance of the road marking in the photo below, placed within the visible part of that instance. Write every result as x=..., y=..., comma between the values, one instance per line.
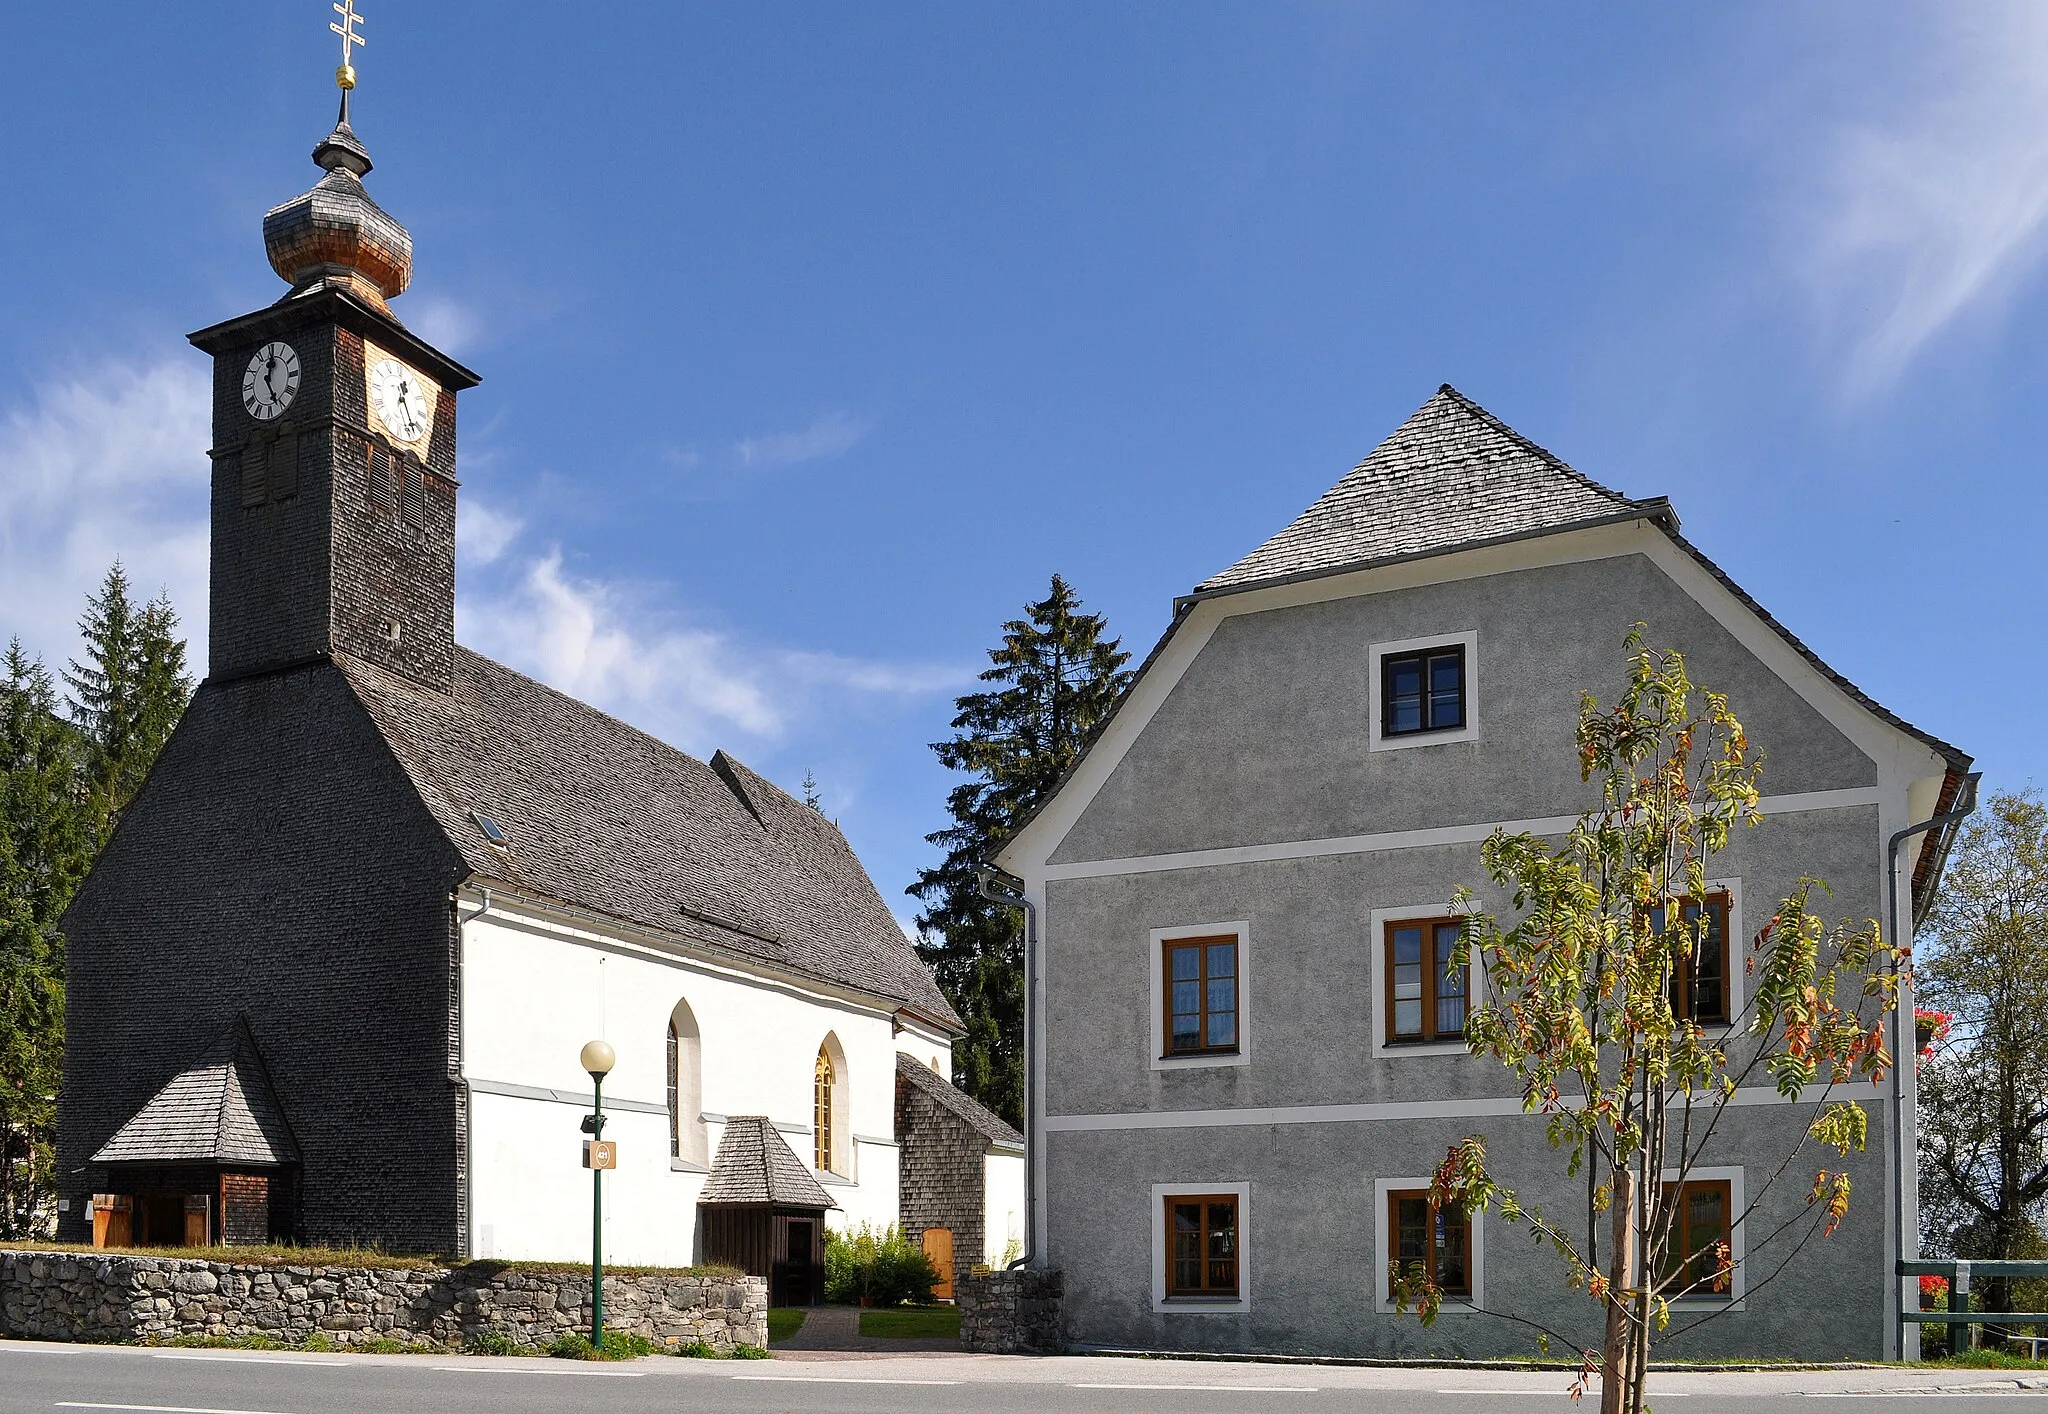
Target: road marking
x=243, y=1359
x=1524, y=1393
x=1219, y=1389
x=836, y=1380
x=160, y=1408
x=539, y=1370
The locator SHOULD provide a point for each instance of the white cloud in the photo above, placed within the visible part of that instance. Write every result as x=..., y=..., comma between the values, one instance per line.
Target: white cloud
x=832, y=435
x=1932, y=203
x=442, y=322
x=483, y=534
x=616, y=647
x=107, y=463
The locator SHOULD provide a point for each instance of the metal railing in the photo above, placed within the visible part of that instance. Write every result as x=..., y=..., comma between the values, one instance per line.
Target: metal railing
x=1959, y=1316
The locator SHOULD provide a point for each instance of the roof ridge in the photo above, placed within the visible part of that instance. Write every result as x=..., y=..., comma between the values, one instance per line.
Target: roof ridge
x=1556, y=462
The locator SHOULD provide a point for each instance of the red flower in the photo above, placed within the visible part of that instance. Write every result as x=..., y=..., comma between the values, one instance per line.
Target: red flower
x=1934, y=1288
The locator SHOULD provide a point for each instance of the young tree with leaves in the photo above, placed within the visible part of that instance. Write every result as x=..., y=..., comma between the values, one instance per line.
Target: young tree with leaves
x=1984, y=1088
x=1580, y=1007
x=1053, y=680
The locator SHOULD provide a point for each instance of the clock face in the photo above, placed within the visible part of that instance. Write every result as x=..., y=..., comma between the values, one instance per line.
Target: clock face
x=271, y=381
x=401, y=400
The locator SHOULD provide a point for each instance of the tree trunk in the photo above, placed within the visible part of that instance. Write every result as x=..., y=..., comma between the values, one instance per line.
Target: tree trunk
x=1615, y=1354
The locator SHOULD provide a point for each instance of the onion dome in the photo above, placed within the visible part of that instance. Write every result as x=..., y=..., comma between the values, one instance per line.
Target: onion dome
x=334, y=236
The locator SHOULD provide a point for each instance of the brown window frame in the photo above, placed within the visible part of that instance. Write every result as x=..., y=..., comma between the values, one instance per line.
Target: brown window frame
x=1395, y=1197
x=824, y=1077
x=1432, y=973
x=1205, y=1290
x=1681, y=1252
x=1200, y=945
x=1717, y=903
x=1425, y=657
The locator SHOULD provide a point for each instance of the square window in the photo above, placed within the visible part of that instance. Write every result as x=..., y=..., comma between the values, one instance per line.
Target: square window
x=1423, y=691
x=1201, y=995
x=1426, y=999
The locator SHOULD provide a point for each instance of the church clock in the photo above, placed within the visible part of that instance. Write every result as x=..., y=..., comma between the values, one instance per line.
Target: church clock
x=271, y=381
x=402, y=400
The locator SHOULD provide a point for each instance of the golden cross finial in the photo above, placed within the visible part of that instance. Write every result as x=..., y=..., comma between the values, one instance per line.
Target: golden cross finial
x=346, y=74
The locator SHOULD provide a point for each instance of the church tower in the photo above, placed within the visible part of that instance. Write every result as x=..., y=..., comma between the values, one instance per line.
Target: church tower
x=333, y=448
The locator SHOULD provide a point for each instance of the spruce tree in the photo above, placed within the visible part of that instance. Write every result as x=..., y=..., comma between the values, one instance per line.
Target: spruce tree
x=45, y=848
x=128, y=693
x=1052, y=682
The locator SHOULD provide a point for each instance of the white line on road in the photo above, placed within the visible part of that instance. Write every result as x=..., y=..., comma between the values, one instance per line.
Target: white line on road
x=538, y=1370
x=160, y=1408
x=1222, y=1389
x=836, y=1380
x=1525, y=1393
x=243, y=1359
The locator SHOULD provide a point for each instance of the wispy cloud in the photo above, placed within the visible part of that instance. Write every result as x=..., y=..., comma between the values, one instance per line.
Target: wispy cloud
x=1931, y=203
x=833, y=435
x=483, y=533
x=98, y=466
x=620, y=647
x=443, y=322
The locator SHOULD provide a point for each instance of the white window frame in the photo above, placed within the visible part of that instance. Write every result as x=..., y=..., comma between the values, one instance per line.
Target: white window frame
x=1384, y=1247
x=1155, y=969
x=1382, y=1047
x=1737, y=1201
x=1162, y=1246
x=1376, y=684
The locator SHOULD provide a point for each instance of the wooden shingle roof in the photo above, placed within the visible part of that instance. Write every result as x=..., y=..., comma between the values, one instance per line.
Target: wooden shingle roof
x=603, y=816
x=219, y=1109
x=755, y=1165
x=962, y=1106
x=1453, y=474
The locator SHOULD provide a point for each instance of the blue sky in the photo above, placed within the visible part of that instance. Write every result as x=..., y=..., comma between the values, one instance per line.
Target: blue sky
x=816, y=337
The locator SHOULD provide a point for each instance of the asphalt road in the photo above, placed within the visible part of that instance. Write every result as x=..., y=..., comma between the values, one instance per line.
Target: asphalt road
x=43, y=1377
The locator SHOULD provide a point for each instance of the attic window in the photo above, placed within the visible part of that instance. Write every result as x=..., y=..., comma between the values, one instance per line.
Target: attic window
x=490, y=829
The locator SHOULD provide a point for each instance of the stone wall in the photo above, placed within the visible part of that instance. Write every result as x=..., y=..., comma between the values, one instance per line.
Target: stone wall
x=1010, y=1313
x=102, y=1297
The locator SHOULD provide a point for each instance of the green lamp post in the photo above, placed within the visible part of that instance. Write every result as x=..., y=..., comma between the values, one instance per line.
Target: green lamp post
x=598, y=1058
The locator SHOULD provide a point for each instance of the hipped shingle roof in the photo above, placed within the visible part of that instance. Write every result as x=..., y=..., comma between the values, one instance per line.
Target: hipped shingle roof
x=219, y=1109
x=1452, y=474
x=755, y=1164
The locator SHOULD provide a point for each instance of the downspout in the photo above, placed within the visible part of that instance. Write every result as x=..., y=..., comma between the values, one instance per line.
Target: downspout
x=985, y=885
x=1902, y=1020
x=462, y=1074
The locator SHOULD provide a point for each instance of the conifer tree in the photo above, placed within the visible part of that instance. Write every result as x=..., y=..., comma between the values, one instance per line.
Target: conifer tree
x=1052, y=682
x=45, y=847
x=128, y=693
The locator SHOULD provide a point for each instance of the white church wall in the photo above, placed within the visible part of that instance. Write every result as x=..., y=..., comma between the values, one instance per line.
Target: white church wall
x=536, y=988
x=1002, y=1203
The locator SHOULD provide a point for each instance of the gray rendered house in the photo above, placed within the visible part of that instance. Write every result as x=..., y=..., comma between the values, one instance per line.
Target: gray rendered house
x=1280, y=812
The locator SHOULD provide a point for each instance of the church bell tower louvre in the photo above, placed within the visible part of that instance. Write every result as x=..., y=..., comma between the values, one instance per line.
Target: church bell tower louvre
x=333, y=445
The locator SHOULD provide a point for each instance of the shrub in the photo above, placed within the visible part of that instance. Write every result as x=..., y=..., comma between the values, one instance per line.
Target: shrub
x=618, y=1345
x=883, y=1268
x=749, y=1352
x=491, y=1343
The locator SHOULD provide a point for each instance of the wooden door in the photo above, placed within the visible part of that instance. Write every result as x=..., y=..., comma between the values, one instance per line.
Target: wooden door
x=938, y=1245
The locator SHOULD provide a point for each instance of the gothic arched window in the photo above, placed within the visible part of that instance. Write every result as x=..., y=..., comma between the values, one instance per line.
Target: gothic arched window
x=686, y=1136
x=824, y=1078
